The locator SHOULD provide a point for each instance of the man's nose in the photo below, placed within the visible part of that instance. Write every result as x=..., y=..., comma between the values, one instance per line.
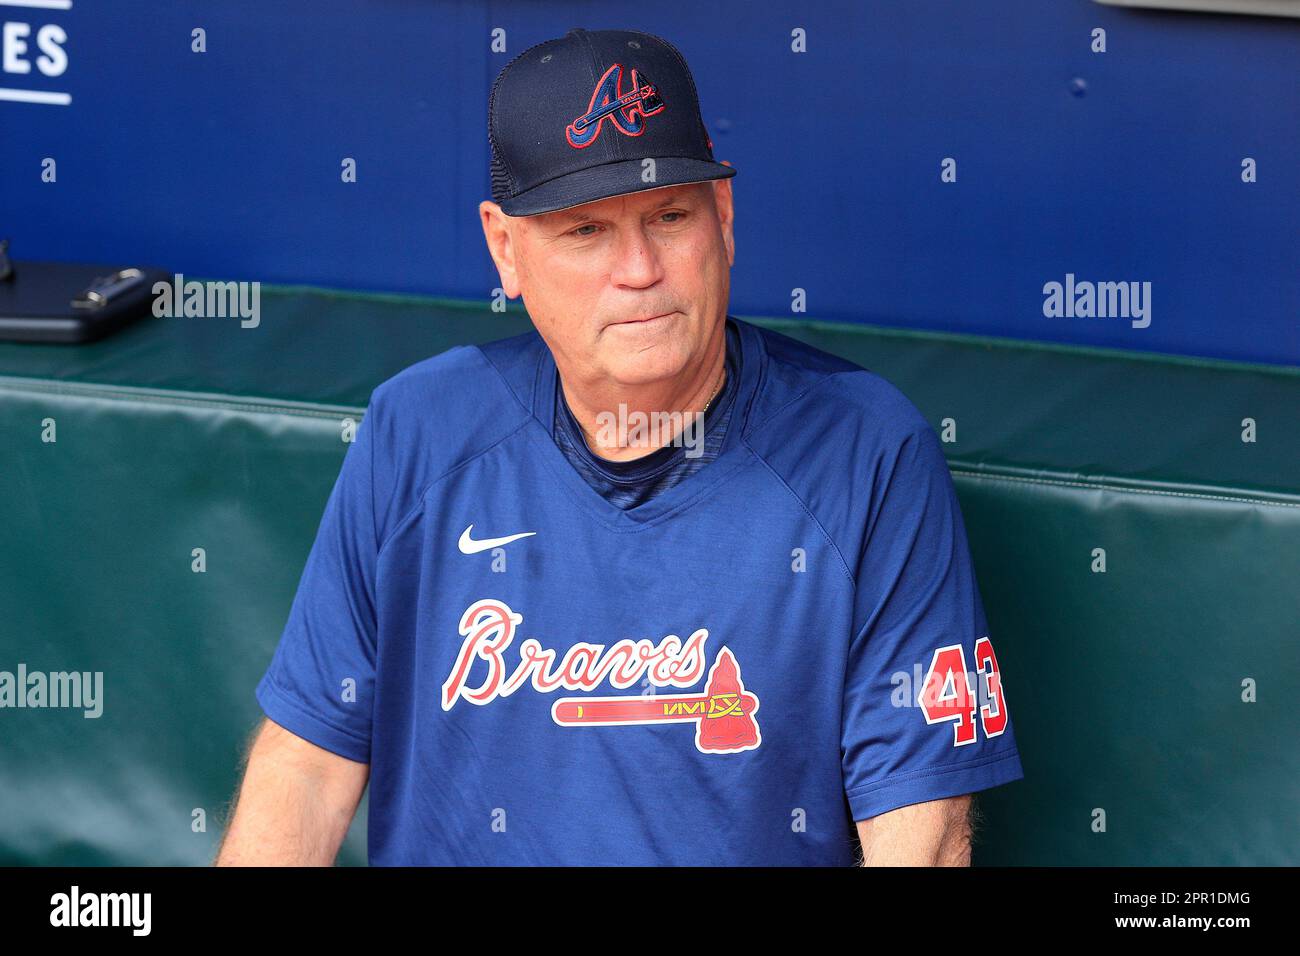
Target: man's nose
x=637, y=260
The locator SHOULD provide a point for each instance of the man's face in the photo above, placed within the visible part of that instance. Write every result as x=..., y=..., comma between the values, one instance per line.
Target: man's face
x=628, y=289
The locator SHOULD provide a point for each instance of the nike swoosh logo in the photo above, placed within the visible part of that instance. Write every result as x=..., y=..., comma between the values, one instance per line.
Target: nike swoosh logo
x=469, y=546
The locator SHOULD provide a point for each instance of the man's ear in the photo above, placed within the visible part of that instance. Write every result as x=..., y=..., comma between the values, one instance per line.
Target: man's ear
x=500, y=243
x=722, y=202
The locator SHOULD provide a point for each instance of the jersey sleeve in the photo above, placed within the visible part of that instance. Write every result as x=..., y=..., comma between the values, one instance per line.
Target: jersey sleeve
x=320, y=681
x=924, y=713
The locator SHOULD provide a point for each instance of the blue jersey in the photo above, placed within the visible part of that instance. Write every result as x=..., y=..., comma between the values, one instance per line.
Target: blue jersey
x=732, y=672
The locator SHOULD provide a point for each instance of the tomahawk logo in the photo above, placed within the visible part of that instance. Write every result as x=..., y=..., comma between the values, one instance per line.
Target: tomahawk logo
x=722, y=716
x=627, y=111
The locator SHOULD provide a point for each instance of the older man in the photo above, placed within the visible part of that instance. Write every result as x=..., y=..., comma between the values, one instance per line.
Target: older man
x=549, y=633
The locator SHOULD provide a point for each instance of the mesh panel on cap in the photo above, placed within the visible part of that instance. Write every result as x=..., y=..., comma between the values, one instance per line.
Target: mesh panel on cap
x=503, y=183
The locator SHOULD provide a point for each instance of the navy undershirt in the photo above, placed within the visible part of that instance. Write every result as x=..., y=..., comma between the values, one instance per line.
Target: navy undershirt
x=627, y=484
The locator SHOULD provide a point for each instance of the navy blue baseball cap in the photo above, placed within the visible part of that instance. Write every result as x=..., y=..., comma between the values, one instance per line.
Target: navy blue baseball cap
x=572, y=120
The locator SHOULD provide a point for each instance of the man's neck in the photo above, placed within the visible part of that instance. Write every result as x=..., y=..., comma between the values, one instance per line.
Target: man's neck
x=596, y=405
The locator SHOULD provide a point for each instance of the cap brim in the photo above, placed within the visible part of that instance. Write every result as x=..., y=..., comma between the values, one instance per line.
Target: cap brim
x=611, y=179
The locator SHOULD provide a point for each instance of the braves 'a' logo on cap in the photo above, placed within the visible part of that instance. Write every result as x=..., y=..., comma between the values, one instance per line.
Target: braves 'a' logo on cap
x=627, y=111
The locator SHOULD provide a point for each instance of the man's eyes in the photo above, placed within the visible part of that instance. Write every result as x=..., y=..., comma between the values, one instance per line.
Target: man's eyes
x=579, y=234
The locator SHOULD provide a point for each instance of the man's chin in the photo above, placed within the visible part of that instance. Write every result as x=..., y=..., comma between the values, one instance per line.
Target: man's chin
x=651, y=365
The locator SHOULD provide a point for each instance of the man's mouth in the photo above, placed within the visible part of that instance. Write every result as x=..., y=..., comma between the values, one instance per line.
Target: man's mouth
x=643, y=320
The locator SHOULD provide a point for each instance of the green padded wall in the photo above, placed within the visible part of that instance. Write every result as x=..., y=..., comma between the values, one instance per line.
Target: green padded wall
x=196, y=433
